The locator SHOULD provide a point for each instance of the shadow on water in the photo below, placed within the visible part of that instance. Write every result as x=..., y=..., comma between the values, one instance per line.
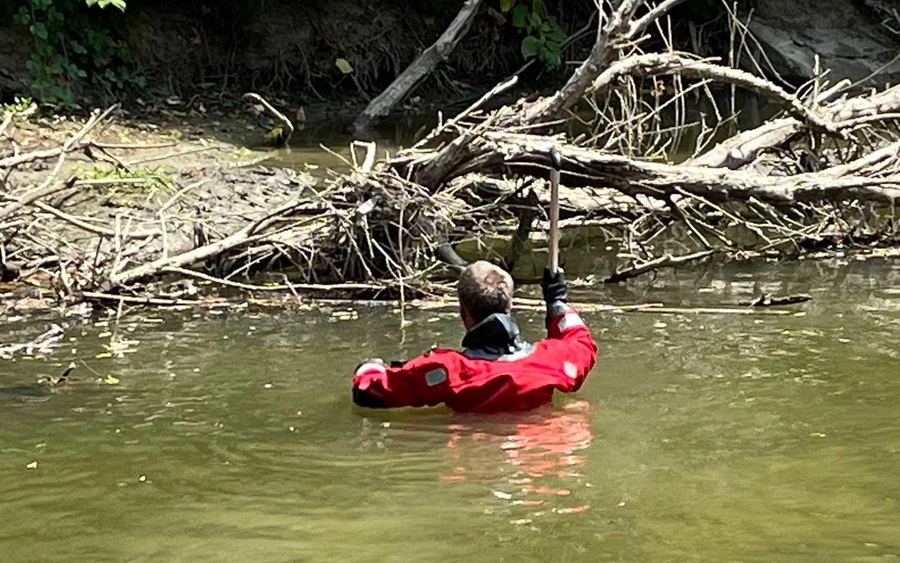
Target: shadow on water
x=36, y=390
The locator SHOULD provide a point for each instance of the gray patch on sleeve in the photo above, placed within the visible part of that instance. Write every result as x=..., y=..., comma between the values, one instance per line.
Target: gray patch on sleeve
x=556, y=308
x=436, y=377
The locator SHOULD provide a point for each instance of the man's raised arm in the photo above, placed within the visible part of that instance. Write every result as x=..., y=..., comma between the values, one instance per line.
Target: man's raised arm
x=565, y=324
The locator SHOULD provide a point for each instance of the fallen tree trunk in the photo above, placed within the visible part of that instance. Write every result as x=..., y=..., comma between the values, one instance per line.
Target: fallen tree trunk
x=844, y=114
x=424, y=64
x=588, y=168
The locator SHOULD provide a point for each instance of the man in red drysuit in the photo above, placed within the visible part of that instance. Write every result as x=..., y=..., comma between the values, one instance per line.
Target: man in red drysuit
x=497, y=370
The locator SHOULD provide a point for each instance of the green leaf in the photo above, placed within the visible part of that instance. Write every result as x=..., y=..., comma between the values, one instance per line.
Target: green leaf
x=55, y=15
x=78, y=48
x=535, y=20
x=39, y=30
x=539, y=9
x=531, y=46
x=557, y=34
x=520, y=16
x=120, y=4
x=550, y=56
x=506, y=5
x=344, y=66
x=23, y=16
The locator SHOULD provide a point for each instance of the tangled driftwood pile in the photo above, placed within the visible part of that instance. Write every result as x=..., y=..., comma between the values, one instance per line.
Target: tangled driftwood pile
x=127, y=232
x=825, y=173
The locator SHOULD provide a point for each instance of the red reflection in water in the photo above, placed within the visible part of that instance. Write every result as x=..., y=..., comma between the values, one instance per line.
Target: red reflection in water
x=539, y=447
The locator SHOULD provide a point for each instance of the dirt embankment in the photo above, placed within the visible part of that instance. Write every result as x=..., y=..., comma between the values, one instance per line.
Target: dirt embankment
x=289, y=48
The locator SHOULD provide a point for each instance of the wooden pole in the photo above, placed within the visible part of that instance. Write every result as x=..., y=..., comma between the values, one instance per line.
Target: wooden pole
x=556, y=160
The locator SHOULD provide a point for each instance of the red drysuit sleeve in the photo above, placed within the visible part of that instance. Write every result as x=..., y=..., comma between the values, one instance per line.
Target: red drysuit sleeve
x=571, y=342
x=420, y=382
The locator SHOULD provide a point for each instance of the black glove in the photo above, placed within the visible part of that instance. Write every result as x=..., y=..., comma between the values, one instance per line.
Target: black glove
x=554, y=287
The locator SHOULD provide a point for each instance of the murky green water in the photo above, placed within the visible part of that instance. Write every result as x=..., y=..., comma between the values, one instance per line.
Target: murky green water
x=231, y=437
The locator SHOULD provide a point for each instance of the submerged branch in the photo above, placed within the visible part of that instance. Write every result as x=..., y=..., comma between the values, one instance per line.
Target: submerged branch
x=666, y=261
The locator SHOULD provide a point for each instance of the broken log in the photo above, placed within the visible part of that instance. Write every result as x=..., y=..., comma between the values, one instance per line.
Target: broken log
x=424, y=64
x=743, y=148
x=586, y=168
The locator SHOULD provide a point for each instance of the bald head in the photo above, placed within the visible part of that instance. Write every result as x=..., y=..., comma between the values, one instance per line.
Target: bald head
x=484, y=289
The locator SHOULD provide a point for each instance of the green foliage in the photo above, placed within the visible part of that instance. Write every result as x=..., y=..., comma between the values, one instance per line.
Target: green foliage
x=72, y=44
x=151, y=181
x=120, y=4
x=19, y=106
x=544, y=36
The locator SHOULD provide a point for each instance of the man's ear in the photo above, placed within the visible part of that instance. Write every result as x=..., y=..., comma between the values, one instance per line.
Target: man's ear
x=464, y=315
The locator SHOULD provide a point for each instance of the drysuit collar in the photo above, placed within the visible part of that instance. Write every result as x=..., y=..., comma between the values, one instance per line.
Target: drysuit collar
x=497, y=335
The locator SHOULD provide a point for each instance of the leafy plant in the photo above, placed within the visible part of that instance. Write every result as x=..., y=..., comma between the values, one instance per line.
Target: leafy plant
x=18, y=106
x=544, y=36
x=70, y=45
x=151, y=180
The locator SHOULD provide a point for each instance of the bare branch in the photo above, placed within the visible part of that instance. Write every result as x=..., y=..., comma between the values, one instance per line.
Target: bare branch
x=638, y=27
x=669, y=63
x=666, y=261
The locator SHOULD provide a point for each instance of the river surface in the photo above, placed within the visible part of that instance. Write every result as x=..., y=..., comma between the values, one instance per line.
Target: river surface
x=230, y=436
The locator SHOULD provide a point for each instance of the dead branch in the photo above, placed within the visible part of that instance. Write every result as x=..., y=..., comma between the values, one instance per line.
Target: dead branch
x=666, y=261
x=189, y=258
x=611, y=32
x=292, y=287
x=74, y=143
x=768, y=301
x=35, y=195
x=587, y=168
x=638, y=27
x=288, y=124
x=658, y=64
x=424, y=64
x=743, y=148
